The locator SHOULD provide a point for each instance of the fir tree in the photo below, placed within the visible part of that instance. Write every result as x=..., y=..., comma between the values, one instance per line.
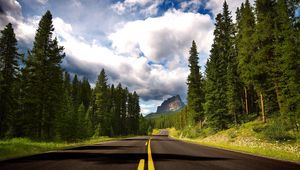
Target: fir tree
x=42, y=82
x=195, y=88
x=246, y=30
x=264, y=62
x=8, y=77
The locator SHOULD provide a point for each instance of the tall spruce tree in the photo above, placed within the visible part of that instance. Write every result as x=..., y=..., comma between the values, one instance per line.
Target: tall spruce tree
x=265, y=72
x=288, y=61
x=245, y=52
x=230, y=54
x=195, y=88
x=42, y=82
x=8, y=77
x=216, y=94
x=101, y=102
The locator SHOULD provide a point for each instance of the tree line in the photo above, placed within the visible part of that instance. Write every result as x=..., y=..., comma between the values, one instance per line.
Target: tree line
x=39, y=100
x=252, y=71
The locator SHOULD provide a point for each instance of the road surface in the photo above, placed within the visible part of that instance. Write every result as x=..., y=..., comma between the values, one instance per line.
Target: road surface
x=150, y=152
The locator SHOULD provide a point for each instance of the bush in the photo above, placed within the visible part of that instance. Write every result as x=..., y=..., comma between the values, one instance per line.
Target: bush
x=278, y=129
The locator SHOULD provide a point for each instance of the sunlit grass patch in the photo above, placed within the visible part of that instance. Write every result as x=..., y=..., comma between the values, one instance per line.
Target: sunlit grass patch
x=250, y=138
x=18, y=147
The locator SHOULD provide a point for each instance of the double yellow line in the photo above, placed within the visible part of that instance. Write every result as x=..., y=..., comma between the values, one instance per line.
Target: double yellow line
x=150, y=160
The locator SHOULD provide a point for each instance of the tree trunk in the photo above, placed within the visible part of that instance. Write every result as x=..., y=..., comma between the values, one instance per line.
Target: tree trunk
x=246, y=100
x=280, y=99
x=262, y=108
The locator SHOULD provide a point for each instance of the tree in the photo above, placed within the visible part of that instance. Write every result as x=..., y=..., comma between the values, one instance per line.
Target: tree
x=264, y=61
x=230, y=56
x=42, y=82
x=85, y=93
x=222, y=82
x=245, y=53
x=195, y=88
x=102, y=115
x=287, y=60
x=9, y=70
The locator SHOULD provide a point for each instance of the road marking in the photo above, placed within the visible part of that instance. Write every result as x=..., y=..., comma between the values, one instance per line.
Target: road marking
x=141, y=164
x=150, y=161
x=146, y=144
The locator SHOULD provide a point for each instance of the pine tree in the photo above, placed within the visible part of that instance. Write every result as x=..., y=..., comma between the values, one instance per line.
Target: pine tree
x=102, y=111
x=246, y=30
x=195, y=88
x=42, y=82
x=8, y=77
x=287, y=60
x=85, y=93
x=264, y=61
x=222, y=82
x=229, y=52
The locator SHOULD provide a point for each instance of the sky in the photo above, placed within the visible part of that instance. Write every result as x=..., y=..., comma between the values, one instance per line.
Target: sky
x=143, y=44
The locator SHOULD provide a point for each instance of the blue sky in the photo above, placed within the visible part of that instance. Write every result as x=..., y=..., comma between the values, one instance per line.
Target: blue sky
x=143, y=44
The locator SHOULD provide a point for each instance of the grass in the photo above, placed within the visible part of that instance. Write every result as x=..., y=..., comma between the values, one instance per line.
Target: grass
x=18, y=147
x=246, y=138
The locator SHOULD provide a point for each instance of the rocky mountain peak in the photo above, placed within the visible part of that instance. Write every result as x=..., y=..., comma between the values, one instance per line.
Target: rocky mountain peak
x=170, y=105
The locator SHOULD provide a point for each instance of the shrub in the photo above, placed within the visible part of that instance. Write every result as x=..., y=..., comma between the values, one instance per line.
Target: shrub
x=278, y=129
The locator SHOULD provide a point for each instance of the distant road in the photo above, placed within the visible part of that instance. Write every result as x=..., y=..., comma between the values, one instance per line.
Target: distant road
x=136, y=153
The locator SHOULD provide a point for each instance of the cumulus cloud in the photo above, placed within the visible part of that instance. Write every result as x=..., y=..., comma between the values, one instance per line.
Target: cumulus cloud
x=11, y=12
x=164, y=39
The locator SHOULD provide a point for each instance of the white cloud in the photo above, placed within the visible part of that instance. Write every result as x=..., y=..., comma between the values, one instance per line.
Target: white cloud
x=145, y=7
x=192, y=5
x=43, y=2
x=164, y=39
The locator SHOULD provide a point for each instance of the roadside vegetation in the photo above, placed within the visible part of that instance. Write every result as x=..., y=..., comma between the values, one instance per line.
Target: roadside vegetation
x=252, y=137
x=18, y=147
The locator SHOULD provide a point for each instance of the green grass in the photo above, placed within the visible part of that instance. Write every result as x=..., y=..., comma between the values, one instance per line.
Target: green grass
x=18, y=147
x=245, y=138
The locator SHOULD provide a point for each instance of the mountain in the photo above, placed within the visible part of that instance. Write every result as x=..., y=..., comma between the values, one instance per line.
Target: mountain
x=172, y=104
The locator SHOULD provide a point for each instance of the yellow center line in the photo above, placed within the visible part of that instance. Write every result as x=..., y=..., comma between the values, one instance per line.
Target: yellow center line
x=146, y=144
x=150, y=161
x=141, y=164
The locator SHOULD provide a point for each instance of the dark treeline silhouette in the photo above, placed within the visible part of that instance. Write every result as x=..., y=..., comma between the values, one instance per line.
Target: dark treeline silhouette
x=40, y=101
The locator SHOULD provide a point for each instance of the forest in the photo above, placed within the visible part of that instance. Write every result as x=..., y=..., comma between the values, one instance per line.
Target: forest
x=252, y=73
x=41, y=101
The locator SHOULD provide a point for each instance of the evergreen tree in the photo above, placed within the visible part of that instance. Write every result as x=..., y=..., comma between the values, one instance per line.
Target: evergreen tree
x=230, y=55
x=85, y=93
x=264, y=62
x=245, y=52
x=42, y=82
x=195, y=88
x=288, y=61
x=102, y=111
x=8, y=77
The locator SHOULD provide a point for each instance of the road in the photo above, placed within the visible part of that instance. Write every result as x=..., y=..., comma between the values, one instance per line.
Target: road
x=150, y=152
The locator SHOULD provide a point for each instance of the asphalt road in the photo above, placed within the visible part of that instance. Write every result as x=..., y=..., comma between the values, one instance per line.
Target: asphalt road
x=134, y=153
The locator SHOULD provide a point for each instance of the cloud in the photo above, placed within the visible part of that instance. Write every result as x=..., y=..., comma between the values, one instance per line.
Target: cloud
x=146, y=8
x=192, y=5
x=164, y=39
x=42, y=2
x=10, y=11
